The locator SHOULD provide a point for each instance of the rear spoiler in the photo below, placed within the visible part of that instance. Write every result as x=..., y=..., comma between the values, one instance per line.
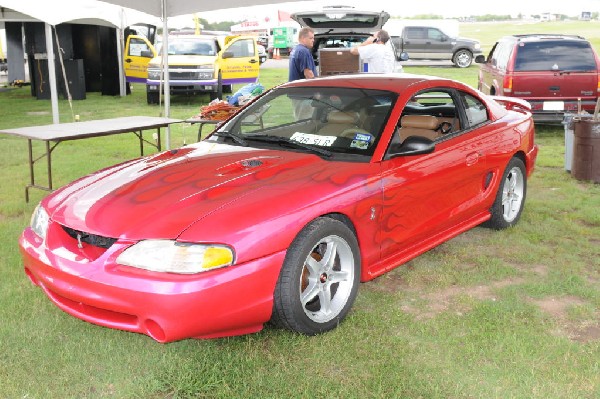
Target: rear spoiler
x=512, y=103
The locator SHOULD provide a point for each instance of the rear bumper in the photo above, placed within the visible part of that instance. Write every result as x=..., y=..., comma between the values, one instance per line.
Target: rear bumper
x=556, y=117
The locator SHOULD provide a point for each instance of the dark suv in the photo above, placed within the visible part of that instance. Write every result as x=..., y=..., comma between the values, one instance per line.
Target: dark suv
x=552, y=72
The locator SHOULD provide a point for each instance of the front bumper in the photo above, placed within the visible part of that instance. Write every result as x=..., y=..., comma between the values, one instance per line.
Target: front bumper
x=184, y=86
x=229, y=301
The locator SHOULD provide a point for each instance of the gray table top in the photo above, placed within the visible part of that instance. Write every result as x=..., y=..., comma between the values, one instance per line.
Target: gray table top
x=94, y=128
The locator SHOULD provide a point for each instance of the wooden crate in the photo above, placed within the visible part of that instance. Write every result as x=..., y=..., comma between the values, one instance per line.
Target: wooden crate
x=337, y=61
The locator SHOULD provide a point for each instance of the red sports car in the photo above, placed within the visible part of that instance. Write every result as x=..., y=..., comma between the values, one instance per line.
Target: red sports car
x=289, y=204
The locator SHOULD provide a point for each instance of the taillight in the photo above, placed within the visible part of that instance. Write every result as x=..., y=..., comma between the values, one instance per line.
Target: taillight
x=507, y=84
x=598, y=85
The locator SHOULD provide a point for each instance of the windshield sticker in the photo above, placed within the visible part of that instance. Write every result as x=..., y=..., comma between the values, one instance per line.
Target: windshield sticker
x=313, y=139
x=361, y=141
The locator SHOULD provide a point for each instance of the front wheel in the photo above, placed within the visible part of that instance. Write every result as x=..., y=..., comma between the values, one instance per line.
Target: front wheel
x=152, y=98
x=217, y=95
x=319, y=278
x=510, y=199
x=462, y=58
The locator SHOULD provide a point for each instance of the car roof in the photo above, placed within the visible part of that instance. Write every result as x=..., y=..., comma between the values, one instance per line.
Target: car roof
x=341, y=19
x=370, y=81
x=544, y=36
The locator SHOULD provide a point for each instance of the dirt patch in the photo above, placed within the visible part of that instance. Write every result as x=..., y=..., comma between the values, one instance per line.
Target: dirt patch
x=448, y=299
x=584, y=330
x=557, y=306
x=390, y=282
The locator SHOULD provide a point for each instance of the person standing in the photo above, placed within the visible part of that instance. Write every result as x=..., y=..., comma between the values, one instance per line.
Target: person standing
x=376, y=53
x=302, y=63
x=302, y=66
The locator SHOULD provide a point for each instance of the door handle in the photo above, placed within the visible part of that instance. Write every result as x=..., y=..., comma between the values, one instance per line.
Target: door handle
x=128, y=60
x=472, y=158
x=253, y=61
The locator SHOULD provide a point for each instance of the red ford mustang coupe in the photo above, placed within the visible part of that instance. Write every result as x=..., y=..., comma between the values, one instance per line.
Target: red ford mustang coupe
x=279, y=214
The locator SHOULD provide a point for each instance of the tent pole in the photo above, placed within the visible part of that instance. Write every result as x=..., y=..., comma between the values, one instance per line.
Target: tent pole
x=52, y=74
x=166, y=86
x=120, y=50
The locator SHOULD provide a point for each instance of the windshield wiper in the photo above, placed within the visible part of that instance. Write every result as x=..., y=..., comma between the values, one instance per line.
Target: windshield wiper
x=292, y=143
x=232, y=136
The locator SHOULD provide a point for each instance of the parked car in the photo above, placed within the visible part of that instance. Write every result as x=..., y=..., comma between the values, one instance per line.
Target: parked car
x=279, y=217
x=552, y=72
x=338, y=28
x=198, y=64
x=431, y=43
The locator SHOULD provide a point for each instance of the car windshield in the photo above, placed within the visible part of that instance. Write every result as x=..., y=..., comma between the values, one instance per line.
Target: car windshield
x=555, y=55
x=342, y=121
x=189, y=46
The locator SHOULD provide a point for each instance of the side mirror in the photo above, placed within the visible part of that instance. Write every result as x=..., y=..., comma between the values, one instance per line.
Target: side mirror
x=413, y=145
x=227, y=54
x=480, y=59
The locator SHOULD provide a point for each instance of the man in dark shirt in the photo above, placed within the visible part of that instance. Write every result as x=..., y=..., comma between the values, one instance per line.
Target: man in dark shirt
x=302, y=63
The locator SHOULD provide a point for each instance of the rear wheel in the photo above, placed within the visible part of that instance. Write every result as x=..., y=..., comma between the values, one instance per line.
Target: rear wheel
x=319, y=278
x=510, y=199
x=462, y=58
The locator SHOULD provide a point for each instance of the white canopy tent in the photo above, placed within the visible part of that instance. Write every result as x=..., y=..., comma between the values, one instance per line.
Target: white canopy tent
x=112, y=12
x=56, y=12
x=166, y=9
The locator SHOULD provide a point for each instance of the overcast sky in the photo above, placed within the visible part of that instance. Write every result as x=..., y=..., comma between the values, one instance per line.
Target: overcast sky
x=452, y=8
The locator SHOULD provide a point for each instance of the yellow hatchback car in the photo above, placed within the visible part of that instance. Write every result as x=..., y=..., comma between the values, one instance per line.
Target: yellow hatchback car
x=197, y=64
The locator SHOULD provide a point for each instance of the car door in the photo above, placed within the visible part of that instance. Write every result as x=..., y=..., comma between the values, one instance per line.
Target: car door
x=138, y=53
x=238, y=62
x=439, y=44
x=414, y=39
x=428, y=195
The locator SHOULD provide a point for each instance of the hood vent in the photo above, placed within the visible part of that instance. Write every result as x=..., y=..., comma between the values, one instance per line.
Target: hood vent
x=251, y=163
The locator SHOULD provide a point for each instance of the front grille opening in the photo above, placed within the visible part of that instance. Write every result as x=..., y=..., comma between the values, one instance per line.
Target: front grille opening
x=91, y=239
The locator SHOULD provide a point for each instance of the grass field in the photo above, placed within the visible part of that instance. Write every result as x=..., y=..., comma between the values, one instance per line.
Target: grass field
x=509, y=314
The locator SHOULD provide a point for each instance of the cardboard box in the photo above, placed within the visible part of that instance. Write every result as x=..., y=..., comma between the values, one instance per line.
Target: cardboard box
x=337, y=61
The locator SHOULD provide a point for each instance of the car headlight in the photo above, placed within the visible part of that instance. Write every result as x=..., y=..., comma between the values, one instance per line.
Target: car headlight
x=39, y=221
x=154, y=74
x=176, y=257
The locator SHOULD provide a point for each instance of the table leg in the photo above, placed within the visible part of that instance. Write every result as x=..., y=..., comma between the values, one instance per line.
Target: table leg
x=140, y=135
x=49, y=164
x=158, y=144
x=200, y=126
x=31, y=170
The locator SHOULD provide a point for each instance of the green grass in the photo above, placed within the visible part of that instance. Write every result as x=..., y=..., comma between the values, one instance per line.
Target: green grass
x=509, y=314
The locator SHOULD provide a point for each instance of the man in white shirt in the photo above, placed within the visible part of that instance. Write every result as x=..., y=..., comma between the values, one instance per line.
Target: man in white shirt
x=376, y=53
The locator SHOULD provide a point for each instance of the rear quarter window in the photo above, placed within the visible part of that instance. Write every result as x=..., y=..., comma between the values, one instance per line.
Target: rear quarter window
x=501, y=54
x=555, y=56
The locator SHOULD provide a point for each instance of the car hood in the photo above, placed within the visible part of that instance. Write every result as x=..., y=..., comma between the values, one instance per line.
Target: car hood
x=339, y=19
x=161, y=195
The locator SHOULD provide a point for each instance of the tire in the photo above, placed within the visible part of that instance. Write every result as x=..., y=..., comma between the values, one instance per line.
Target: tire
x=319, y=279
x=219, y=93
x=463, y=58
x=510, y=199
x=227, y=88
x=151, y=98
